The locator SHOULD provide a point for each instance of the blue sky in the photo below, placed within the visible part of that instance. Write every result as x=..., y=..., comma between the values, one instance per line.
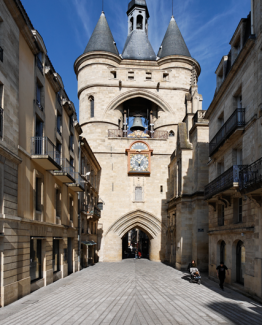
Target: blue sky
x=206, y=25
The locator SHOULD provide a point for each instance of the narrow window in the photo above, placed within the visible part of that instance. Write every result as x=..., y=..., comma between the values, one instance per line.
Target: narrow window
x=1, y=111
x=165, y=76
x=131, y=75
x=171, y=134
x=56, y=260
x=71, y=142
x=38, y=183
x=221, y=215
x=139, y=24
x=113, y=74
x=35, y=259
x=131, y=25
x=59, y=123
x=161, y=188
x=138, y=193
x=71, y=208
x=92, y=107
x=39, y=61
x=58, y=203
x=222, y=252
x=148, y=75
x=240, y=210
x=39, y=102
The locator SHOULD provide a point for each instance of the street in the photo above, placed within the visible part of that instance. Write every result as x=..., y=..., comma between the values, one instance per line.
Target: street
x=132, y=292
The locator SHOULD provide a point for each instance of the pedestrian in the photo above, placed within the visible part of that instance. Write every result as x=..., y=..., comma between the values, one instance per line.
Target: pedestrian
x=135, y=254
x=221, y=274
x=139, y=254
x=192, y=264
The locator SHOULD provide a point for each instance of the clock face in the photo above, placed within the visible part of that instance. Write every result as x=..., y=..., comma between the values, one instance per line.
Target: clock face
x=139, y=163
x=139, y=146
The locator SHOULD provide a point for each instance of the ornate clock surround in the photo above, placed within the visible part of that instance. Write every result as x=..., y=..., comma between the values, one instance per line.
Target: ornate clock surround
x=134, y=153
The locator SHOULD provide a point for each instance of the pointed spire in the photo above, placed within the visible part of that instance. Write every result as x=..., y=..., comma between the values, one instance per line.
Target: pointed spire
x=173, y=42
x=102, y=38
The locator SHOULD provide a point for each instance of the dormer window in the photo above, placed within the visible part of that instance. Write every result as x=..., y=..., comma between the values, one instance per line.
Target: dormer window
x=219, y=77
x=236, y=48
x=139, y=24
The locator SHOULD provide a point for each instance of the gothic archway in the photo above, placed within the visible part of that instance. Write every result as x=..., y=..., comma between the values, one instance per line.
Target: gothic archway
x=137, y=219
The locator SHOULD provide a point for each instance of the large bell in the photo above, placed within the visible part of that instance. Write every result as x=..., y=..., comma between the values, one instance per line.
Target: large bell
x=137, y=124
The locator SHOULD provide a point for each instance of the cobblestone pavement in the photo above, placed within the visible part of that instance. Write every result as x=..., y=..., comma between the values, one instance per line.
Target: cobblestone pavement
x=131, y=292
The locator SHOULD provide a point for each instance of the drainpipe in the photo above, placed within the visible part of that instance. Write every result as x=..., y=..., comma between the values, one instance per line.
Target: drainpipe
x=252, y=17
x=79, y=205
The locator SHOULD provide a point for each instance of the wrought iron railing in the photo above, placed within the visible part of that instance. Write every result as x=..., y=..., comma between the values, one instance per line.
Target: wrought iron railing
x=1, y=54
x=146, y=134
x=224, y=181
x=251, y=177
x=43, y=146
x=66, y=166
x=1, y=122
x=199, y=117
x=79, y=180
x=39, y=104
x=39, y=64
x=235, y=121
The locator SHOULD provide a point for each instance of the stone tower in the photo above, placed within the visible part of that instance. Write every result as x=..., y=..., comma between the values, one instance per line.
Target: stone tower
x=113, y=88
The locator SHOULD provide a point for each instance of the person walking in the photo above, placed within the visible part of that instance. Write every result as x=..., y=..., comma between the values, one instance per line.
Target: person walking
x=221, y=274
x=139, y=254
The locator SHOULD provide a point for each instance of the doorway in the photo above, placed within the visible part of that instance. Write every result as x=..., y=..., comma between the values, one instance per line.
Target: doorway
x=133, y=242
x=240, y=262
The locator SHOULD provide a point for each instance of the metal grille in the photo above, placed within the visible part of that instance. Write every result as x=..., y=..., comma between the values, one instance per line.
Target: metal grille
x=251, y=177
x=153, y=135
x=224, y=181
x=236, y=120
x=42, y=146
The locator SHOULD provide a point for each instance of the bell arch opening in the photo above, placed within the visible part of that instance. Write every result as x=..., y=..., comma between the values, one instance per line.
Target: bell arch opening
x=135, y=244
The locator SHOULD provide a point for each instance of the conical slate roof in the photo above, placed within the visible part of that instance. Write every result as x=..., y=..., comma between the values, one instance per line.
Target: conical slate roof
x=138, y=47
x=102, y=38
x=173, y=42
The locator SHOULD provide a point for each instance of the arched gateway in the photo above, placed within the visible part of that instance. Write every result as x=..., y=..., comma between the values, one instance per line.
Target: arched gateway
x=139, y=219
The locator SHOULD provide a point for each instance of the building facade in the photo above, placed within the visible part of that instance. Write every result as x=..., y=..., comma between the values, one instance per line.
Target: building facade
x=40, y=180
x=90, y=204
x=131, y=106
x=235, y=151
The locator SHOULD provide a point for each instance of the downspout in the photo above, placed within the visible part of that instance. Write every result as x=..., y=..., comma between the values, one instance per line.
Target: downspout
x=252, y=17
x=79, y=205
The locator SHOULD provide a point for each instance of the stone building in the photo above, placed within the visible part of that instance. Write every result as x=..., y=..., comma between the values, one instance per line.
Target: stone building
x=132, y=108
x=89, y=206
x=39, y=163
x=235, y=150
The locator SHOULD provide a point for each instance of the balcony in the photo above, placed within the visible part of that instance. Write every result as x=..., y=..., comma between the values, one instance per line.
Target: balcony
x=67, y=172
x=78, y=185
x=225, y=181
x=236, y=122
x=1, y=54
x=147, y=134
x=251, y=178
x=1, y=122
x=199, y=117
x=43, y=152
